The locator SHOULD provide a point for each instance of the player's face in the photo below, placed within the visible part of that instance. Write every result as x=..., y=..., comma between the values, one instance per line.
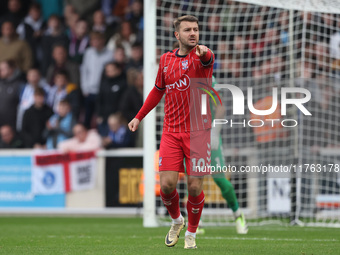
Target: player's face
x=188, y=34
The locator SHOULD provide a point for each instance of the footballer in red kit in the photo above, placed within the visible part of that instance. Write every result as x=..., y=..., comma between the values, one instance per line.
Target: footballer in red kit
x=184, y=75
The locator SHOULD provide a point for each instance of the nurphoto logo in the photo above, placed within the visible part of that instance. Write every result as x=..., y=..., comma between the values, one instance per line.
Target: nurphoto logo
x=238, y=105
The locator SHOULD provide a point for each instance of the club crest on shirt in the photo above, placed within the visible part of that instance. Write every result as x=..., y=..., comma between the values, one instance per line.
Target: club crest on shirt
x=185, y=64
x=165, y=69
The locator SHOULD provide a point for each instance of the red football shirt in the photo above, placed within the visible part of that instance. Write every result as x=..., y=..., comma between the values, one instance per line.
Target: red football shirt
x=182, y=78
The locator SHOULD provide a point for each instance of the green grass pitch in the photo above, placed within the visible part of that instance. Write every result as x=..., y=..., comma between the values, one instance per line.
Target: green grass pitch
x=60, y=235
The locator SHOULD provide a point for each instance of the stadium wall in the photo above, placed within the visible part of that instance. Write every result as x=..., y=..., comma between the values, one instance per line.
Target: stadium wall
x=18, y=166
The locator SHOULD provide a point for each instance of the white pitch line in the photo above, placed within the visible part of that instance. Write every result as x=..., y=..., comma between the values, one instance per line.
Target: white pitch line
x=251, y=238
x=268, y=239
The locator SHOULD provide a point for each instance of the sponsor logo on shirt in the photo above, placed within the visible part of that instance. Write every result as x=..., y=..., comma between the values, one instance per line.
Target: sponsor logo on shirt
x=182, y=84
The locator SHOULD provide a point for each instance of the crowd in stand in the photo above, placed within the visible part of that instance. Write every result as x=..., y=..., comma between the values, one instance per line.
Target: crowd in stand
x=70, y=73
x=68, y=62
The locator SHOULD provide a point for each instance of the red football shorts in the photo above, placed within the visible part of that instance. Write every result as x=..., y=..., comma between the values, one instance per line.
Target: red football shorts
x=194, y=147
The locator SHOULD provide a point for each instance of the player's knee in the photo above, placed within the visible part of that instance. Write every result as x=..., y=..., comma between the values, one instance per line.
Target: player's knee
x=195, y=189
x=167, y=186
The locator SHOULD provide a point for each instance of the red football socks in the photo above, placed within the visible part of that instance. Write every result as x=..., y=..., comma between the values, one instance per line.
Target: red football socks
x=171, y=202
x=195, y=208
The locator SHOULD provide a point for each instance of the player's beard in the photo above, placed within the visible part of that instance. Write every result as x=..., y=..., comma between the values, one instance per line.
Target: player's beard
x=186, y=45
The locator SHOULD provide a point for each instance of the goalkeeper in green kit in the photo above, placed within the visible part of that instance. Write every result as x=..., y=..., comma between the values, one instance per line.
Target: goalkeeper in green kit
x=217, y=159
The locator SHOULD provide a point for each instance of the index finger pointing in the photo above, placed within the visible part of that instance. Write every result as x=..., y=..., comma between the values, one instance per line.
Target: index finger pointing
x=198, y=49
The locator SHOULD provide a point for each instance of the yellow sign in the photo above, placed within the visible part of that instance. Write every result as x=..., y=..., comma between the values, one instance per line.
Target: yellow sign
x=129, y=180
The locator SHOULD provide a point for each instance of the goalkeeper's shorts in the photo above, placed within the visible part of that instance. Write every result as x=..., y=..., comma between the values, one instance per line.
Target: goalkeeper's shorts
x=194, y=147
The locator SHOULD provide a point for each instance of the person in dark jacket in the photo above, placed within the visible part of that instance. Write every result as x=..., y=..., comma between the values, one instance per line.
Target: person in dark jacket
x=11, y=84
x=118, y=135
x=9, y=139
x=34, y=121
x=15, y=13
x=31, y=30
x=136, y=59
x=54, y=35
x=61, y=63
x=132, y=99
x=112, y=87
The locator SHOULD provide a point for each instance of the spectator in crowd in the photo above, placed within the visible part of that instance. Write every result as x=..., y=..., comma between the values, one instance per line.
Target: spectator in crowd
x=63, y=89
x=59, y=126
x=322, y=57
x=164, y=30
x=27, y=94
x=9, y=139
x=270, y=42
x=120, y=57
x=61, y=63
x=115, y=9
x=136, y=60
x=132, y=99
x=215, y=32
x=232, y=65
x=325, y=26
x=70, y=23
x=334, y=43
x=11, y=47
x=82, y=140
x=283, y=27
x=334, y=48
x=51, y=7
x=277, y=67
x=106, y=8
x=11, y=84
x=112, y=87
x=125, y=37
x=256, y=38
x=241, y=50
x=320, y=129
x=92, y=68
x=79, y=41
x=31, y=30
x=84, y=8
x=118, y=136
x=54, y=35
x=34, y=121
x=134, y=15
x=15, y=13
x=100, y=25
x=69, y=11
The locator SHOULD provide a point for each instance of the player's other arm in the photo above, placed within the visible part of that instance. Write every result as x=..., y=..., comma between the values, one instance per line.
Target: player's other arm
x=205, y=54
x=151, y=101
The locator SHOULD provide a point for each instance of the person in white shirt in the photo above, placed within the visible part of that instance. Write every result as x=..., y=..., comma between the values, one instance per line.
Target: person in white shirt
x=92, y=68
